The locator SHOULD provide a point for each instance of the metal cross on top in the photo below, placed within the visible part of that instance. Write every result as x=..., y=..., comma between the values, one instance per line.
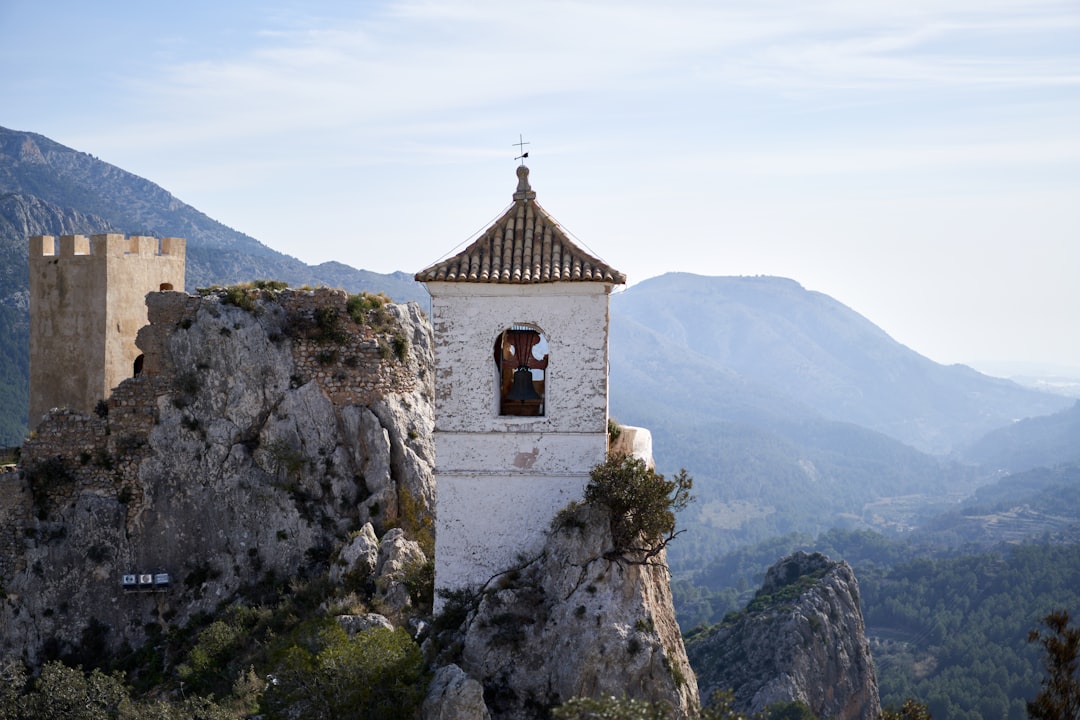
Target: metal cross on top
x=521, y=146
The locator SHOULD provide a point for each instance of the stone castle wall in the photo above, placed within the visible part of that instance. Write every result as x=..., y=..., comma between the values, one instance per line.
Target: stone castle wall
x=86, y=306
x=72, y=453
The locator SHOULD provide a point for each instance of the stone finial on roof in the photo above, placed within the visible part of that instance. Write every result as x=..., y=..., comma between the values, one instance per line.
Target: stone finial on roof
x=524, y=190
x=525, y=245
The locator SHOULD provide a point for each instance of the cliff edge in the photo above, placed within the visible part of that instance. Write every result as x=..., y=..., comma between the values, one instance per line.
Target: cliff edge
x=267, y=426
x=576, y=621
x=801, y=639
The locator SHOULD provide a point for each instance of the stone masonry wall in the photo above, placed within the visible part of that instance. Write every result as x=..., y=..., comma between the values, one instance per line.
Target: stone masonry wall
x=265, y=424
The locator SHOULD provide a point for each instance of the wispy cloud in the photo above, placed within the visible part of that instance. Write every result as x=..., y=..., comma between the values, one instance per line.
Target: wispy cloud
x=414, y=60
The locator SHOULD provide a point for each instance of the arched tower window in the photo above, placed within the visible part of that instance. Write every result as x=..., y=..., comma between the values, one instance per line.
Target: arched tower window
x=521, y=358
x=165, y=286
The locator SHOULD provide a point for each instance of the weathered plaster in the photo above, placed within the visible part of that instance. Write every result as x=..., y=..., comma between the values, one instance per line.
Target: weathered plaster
x=573, y=318
x=488, y=524
x=512, y=453
x=501, y=479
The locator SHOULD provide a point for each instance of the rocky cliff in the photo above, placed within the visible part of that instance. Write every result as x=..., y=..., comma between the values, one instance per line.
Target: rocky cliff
x=578, y=620
x=802, y=639
x=267, y=427
x=279, y=437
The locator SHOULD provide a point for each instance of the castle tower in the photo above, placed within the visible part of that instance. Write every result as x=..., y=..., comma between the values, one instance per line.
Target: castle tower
x=87, y=303
x=521, y=399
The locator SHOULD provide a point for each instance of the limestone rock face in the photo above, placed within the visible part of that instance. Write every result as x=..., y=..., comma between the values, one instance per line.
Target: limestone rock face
x=353, y=624
x=357, y=558
x=397, y=556
x=266, y=429
x=574, y=622
x=801, y=639
x=453, y=695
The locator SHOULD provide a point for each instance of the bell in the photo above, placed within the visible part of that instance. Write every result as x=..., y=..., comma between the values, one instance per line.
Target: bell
x=522, y=389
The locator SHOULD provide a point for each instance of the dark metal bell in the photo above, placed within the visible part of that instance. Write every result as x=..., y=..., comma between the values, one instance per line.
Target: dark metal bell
x=522, y=389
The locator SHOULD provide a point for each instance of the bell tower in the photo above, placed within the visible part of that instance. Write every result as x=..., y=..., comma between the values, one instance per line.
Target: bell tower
x=520, y=319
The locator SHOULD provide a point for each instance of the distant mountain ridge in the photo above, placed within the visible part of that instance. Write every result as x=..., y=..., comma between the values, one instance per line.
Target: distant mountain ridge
x=772, y=338
x=1033, y=442
x=761, y=358
x=75, y=182
x=792, y=411
x=49, y=189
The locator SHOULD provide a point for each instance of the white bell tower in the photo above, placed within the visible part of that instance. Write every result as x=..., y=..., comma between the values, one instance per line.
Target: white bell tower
x=520, y=319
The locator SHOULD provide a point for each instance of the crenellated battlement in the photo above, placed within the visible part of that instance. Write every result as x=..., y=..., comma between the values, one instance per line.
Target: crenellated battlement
x=106, y=245
x=87, y=303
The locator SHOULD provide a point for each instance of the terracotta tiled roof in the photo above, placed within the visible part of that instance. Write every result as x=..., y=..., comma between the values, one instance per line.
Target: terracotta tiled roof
x=523, y=246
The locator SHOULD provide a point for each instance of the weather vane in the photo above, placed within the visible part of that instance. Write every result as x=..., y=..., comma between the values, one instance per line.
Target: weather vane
x=521, y=146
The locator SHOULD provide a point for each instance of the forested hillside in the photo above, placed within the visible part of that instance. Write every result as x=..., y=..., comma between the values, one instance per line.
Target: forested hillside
x=793, y=412
x=948, y=607
x=1049, y=439
x=953, y=632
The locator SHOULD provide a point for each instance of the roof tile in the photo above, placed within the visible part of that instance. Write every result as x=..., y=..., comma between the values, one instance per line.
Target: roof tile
x=526, y=245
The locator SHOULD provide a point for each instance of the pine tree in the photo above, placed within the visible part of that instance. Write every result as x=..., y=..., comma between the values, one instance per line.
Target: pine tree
x=1059, y=698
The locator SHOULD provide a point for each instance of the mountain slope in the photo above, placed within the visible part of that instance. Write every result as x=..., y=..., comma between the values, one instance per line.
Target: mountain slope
x=811, y=350
x=1041, y=441
x=36, y=166
x=792, y=412
x=49, y=189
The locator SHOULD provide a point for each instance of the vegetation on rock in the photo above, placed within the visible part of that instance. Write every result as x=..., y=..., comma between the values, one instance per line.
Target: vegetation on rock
x=613, y=708
x=325, y=674
x=642, y=503
x=948, y=630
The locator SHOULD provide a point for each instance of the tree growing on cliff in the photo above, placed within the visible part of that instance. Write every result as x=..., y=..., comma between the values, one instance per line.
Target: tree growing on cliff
x=641, y=501
x=1059, y=698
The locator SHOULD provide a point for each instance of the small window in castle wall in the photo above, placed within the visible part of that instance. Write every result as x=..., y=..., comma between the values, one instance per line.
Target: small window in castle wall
x=521, y=359
x=164, y=287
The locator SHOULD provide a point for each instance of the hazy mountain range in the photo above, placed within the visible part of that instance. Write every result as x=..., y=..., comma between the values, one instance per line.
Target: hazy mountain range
x=790, y=408
x=795, y=412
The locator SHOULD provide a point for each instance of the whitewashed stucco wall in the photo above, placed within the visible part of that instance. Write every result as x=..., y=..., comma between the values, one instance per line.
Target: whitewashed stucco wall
x=500, y=480
x=467, y=317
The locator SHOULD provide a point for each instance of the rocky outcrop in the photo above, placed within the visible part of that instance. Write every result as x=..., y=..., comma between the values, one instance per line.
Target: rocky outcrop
x=576, y=621
x=268, y=429
x=453, y=695
x=802, y=638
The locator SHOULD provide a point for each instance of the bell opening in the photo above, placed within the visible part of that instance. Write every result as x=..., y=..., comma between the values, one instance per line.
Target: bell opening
x=521, y=360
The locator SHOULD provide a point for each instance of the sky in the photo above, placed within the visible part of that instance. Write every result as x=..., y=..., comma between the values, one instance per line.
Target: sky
x=917, y=160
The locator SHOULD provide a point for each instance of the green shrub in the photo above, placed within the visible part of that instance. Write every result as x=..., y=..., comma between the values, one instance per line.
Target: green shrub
x=271, y=285
x=241, y=296
x=358, y=306
x=614, y=430
x=328, y=322
x=641, y=502
x=286, y=457
x=245, y=295
x=324, y=673
x=63, y=692
x=400, y=344
x=419, y=580
x=609, y=708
